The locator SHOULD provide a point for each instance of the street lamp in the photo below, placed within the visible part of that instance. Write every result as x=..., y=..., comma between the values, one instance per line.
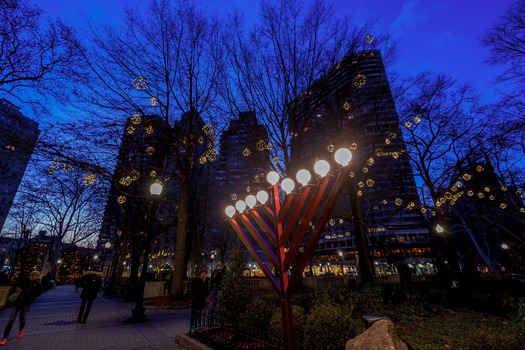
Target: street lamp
x=341, y=255
x=94, y=261
x=107, y=245
x=137, y=314
x=275, y=233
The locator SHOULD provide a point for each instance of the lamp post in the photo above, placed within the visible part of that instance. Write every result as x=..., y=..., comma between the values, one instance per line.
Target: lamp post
x=341, y=255
x=107, y=245
x=275, y=233
x=94, y=261
x=137, y=314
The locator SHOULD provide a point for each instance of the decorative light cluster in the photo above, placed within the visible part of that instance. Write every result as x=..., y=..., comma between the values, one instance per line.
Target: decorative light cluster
x=343, y=156
x=89, y=179
x=261, y=145
x=359, y=80
x=139, y=83
x=135, y=119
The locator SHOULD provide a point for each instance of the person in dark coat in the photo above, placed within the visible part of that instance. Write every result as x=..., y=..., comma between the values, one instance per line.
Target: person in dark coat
x=91, y=284
x=216, y=281
x=200, y=292
x=27, y=290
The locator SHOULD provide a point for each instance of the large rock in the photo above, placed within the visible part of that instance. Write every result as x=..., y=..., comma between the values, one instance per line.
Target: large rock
x=380, y=336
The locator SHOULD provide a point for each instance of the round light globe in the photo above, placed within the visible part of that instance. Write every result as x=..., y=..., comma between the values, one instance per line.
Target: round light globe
x=343, y=156
x=439, y=228
x=230, y=211
x=156, y=188
x=250, y=201
x=262, y=196
x=303, y=177
x=272, y=177
x=287, y=185
x=240, y=206
x=322, y=167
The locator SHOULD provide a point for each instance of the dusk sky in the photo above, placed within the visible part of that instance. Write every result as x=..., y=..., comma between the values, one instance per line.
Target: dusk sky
x=441, y=36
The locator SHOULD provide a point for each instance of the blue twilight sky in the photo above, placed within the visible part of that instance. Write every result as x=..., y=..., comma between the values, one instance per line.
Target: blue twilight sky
x=441, y=36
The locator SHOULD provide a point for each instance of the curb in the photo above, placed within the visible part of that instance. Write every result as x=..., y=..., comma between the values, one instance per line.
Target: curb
x=187, y=343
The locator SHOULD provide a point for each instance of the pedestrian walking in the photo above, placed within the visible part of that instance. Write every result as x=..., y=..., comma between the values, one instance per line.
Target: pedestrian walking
x=78, y=283
x=27, y=290
x=200, y=292
x=167, y=285
x=91, y=284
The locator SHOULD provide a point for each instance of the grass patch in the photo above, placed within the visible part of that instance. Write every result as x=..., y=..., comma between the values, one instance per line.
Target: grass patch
x=452, y=329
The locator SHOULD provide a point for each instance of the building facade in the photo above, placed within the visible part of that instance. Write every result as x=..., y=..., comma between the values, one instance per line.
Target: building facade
x=352, y=106
x=18, y=137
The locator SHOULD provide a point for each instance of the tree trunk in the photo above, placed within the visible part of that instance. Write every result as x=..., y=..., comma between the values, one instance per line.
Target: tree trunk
x=365, y=264
x=179, y=269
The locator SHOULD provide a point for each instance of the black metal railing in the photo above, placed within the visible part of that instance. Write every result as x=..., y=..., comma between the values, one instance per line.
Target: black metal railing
x=219, y=333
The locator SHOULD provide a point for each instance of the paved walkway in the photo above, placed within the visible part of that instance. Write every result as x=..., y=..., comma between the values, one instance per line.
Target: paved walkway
x=52, y=325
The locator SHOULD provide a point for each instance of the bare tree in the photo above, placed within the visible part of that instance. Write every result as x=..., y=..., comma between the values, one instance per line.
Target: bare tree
x=280, y=58
x=164, y=61
x=444, y=125
x=35, y=53
x=68, y=202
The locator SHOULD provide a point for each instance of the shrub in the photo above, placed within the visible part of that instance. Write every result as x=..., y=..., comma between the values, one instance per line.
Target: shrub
x=235, y=291
x=328, y=326
x=368, y=299
x=275, y=327
x=258, y=314
x=516, y=311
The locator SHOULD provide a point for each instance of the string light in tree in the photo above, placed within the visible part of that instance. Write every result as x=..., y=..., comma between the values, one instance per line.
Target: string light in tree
x=89, y=179
x=139, y=83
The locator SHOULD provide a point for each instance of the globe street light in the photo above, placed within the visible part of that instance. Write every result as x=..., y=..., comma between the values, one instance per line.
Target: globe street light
x=137, y=314
x=107, y=245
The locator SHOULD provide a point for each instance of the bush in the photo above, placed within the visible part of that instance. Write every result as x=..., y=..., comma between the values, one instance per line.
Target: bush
x=258, y=314
x=275, y=327
x=328, y=326
x=516, y=312
x=368, y=299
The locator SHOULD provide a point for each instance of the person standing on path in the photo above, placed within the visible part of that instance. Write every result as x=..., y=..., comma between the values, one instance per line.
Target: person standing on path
x=91, y=284
x=27, y=291
x=216, y=281
x=200, y=292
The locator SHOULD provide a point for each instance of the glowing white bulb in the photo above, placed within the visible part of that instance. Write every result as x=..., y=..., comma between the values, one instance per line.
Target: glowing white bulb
x=272, y=177
x=322, y=167
x=303, y=177
x=250, y=201
x=287, y=185
x=240, y=206
x=262, y=196
x=156, y=188
x=230, y=210
x=439, y=228
x=343, y=156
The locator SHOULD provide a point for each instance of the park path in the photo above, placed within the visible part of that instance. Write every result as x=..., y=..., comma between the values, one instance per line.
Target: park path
x=52, y=325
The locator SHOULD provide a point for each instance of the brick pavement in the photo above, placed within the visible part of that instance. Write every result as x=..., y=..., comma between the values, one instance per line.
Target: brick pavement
x=52, y=325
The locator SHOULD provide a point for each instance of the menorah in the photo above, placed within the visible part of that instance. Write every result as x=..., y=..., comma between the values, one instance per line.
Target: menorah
x=280, y=236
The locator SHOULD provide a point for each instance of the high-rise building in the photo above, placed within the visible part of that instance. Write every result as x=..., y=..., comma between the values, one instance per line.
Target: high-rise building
x=18, y=137
x=239, y=171
x=243, y=159
x=352, y=106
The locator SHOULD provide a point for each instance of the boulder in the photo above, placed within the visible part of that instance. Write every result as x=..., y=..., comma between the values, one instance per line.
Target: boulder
x=380, y=336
